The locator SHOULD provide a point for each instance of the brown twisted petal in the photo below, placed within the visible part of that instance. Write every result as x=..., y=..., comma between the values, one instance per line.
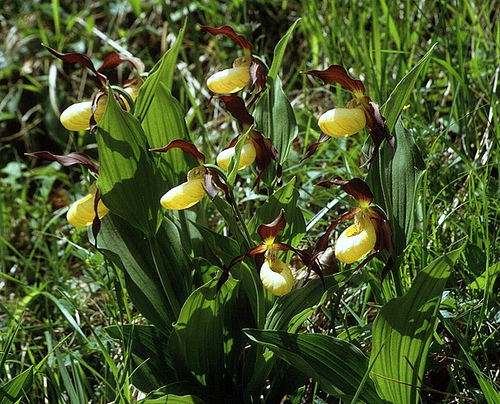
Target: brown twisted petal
x=247, y=156
x=355, y=242
x=82, y=214
x=342, y=122
x=77, y=116
x=276, y=277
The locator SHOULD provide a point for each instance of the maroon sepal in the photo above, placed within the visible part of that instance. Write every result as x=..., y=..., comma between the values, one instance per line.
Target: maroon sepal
x=375, y=123
x=75, y=57
x=96, y=223
x=337, y=74
x=240, y=40
x=222, y=185
x=113, y=59
x=209, y=186
x=355, y=187
x=71, y=159
x=236, y=107
x=186, y=147
x=258, y=78
x=312, y=149
x=269, y=231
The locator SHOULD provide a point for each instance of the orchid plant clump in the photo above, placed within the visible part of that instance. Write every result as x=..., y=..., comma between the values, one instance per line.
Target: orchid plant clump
x=225, y=302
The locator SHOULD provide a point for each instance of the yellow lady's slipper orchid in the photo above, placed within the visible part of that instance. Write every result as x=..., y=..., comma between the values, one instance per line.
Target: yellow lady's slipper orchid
x=356, y=241
x=82, y=214
x=276, y=277
x=77, y=116
x=187, y=194
x=247, y=156
x=342, y=122
x=231, y=80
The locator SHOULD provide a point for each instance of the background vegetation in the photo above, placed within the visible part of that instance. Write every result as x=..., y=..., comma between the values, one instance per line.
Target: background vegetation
x=57, y=293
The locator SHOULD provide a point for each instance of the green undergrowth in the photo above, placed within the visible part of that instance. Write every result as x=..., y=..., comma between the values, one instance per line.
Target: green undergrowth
x=58, y=294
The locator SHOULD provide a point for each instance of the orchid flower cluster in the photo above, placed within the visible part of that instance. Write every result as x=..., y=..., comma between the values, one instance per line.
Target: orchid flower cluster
x=370, y=233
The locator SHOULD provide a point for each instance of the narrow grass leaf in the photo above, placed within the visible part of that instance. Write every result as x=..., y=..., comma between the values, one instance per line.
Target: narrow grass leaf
x=402, y=332
x=18, y=387
x=173, y=399
x=338, y=366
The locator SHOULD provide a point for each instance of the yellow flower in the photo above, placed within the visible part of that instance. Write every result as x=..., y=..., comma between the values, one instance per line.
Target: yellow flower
x=247, y=156
x=276, y=276
x=231, y=80
x=82, y=214
x=187, y=194
x=342, y=122
x=77, y=116
x=356, y=241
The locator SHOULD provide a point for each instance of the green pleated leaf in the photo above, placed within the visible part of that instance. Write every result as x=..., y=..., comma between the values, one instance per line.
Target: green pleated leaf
x=158, y=279
x=207, y=339
x=162, y=73
x=291, y=310
x=151, y=366
x=163, y=123
x=338, y=366
x=129, y=181
x=275, y=119
x=399, y=96
x=173, y=399
x=394, y=180
x=402, y=333
x=284, y=198
x=279, y=52
x=13, y=390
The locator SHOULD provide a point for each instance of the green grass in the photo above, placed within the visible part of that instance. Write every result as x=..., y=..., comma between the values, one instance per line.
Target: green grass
x=57, y=293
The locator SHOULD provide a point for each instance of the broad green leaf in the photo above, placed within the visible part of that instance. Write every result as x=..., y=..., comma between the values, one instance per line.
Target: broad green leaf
x=399, y=96
x=158, y=279
x=18, y=387
x=163, y=123
x=394, y=180
x=402, y=333
x=151, y=366
x=284, y=198
x=186, y=391
x=173, y=399
x=207, y=339
x=129, y=181
x=275, y=119
x=337, y=365
x=162, y=72
x=291, y=310
x=279, y=52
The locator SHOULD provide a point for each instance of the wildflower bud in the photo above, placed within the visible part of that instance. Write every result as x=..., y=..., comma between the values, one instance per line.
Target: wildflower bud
x=187, y=194
x=247, y=156
x=356, y=241
x=82, y=214
x=77, y=116
x=276, y=277
x=342, y=122
x=231, y=80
